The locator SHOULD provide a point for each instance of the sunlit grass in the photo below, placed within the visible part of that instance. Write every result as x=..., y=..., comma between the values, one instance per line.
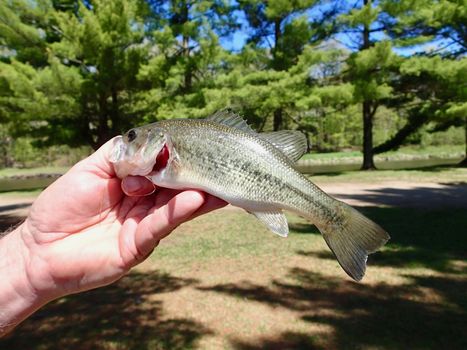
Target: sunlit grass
x=22, y=193
x=32, y=171
x=432, y=174
x=406, y=152
x=231, y=234
x=224, y=281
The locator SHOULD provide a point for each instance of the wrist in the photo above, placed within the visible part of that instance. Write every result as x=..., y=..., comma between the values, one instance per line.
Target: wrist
x=18, y=298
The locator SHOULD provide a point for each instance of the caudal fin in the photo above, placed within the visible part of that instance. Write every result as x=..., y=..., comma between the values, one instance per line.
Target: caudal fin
x=352, y=239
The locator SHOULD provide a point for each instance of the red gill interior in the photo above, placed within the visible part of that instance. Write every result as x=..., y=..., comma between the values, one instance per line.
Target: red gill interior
x=161, y=159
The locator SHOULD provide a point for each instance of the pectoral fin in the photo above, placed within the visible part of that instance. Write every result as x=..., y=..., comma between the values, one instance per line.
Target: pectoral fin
x=274, y=220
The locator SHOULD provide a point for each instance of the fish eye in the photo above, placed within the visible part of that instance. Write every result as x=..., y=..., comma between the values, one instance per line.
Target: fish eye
x=131, y=135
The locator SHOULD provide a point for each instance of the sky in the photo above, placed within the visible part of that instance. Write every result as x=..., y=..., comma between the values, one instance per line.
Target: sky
x=349, y=41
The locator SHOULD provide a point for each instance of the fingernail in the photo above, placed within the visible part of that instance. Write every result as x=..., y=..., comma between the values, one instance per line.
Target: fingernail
x=137, y=186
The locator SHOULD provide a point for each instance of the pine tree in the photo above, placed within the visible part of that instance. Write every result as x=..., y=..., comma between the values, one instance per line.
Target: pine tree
x=184, y=60
x=435, y=78
x=281, y=30
x=69, y=72
x=370, y=67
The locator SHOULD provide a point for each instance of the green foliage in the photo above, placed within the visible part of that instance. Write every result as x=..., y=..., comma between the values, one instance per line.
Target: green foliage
x=78, y=72
x=423, y=21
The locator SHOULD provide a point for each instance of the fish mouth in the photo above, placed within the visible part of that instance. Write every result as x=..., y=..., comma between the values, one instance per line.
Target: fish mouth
x=118, y=150
x=139, y=164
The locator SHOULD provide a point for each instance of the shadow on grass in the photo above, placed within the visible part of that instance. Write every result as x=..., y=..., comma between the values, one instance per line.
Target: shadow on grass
x=286, y=340
x=123, y=315
x=420, y=237
x=432, y=239
x=9, y=207
x=428, y=312
x=7, y=222
x=453, y=195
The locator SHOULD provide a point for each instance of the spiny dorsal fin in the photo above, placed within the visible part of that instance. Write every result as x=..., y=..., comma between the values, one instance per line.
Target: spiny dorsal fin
x=230, y=118
x=292, y=143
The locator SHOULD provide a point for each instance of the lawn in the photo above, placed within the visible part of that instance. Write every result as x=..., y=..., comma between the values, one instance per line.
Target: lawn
x=406, y=152
x=429, y=174
x=32, y=171
x=224, y=281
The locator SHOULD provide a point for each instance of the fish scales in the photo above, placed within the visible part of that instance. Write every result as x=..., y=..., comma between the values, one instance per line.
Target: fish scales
x=215, y=158
x=222, y=156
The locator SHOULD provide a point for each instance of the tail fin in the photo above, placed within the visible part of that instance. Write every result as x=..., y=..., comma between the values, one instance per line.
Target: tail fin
x=352, y=239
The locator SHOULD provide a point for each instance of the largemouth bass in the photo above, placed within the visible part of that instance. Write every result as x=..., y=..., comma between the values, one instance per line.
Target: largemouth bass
x=223, y=156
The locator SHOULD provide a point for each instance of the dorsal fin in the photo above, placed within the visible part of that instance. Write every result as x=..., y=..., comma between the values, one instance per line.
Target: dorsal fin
x=230, y=118
x=292, y=143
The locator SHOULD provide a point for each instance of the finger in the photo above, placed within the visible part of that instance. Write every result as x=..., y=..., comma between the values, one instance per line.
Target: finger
x=211, y=203
x=137, y=186
x=164, y=195
x=135, y=207
x=166, y=218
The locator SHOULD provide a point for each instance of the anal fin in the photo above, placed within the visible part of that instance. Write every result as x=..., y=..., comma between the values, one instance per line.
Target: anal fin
x=275, y=221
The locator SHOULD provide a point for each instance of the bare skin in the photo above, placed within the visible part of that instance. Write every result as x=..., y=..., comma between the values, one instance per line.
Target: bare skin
x=87, y=230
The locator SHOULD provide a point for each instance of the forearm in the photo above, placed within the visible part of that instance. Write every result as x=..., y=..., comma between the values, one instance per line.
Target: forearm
x=18, y=300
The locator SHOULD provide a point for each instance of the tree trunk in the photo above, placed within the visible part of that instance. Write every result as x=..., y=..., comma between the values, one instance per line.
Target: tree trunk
x=278, y=118
x=188, y=75
x=463, y=162
x=7, y=158
x=278, y=113
x=368, y=163
x=368, y=114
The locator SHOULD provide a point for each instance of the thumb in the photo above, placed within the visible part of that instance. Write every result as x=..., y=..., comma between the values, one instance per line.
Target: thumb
x=137, y=186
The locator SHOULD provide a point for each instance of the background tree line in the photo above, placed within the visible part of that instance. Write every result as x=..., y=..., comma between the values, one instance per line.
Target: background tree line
x=376, y=74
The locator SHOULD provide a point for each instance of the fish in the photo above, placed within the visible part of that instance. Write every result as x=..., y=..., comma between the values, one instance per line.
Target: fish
x=223, y=156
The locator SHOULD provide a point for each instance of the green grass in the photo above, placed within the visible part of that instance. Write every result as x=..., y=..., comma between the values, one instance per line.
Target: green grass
x=21, y=193
x=431, y=174
x=224, y=281
x=431, y=238
x=228, y=235
x=407, y=152
x=32, y=171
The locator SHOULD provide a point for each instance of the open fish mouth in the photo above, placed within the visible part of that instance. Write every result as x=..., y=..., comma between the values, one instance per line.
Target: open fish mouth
x=141, y=163
x=118, y=150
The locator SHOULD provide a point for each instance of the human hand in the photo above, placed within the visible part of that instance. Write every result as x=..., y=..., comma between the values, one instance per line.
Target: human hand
x=84, y=232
